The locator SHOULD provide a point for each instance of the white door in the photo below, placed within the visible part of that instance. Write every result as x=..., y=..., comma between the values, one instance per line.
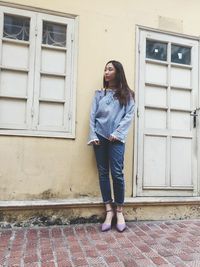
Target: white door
x=167, y=98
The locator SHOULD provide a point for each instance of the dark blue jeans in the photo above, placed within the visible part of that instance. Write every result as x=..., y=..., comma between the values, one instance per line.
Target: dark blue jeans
x=110, y=156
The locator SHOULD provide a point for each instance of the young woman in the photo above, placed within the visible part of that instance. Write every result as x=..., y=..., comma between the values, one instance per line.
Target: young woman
x=111, y=114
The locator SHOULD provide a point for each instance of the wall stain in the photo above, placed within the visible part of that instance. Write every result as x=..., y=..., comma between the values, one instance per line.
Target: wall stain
x=47, y=194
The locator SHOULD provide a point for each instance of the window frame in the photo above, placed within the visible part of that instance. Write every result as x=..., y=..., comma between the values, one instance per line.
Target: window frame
x=36, y=19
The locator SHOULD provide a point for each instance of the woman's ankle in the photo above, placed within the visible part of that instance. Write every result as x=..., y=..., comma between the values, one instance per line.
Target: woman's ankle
x=119, y=208
x=119, y=215
x=109, y=217
x=108, y=207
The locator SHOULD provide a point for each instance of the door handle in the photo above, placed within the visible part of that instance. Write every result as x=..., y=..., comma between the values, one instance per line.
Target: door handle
x=194, y=114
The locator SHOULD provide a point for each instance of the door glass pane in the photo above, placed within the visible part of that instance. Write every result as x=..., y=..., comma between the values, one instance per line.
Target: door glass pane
x=181, y=54
x=54, y=34
x=16, y=27
x=156, y=50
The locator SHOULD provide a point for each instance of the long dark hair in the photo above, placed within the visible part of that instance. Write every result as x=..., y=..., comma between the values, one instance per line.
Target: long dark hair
x=123, y=92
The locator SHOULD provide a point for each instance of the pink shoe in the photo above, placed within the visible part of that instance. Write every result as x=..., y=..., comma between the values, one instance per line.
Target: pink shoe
x=107, y=226
x=120, y=226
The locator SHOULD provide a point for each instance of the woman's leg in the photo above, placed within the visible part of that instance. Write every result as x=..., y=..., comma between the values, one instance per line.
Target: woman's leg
x=101, y=153
x=102, y=159
x=116, y=156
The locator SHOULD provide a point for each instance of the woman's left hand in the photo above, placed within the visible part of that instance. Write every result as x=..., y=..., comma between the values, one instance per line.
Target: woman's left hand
x=112, y=138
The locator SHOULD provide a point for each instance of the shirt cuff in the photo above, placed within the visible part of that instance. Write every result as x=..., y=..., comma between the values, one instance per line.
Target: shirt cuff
x=89, y=143
x=119, y=136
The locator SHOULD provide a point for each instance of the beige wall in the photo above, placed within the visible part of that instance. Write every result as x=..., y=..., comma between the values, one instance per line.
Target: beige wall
x=35, y=168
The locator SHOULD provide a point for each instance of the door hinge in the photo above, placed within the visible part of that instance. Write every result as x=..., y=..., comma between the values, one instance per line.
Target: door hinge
x=138, y=112
x=32, y=112
x=136, y=179
x=139, y=48
x=72, y=37
x=36, y=31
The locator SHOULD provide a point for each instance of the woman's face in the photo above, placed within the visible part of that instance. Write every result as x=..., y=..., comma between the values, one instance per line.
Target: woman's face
x=109, y=73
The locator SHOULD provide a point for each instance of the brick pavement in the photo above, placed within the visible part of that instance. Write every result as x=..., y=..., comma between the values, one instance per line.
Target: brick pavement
x=148, y=244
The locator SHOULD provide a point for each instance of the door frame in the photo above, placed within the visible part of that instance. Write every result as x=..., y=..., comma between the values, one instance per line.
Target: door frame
x=139, y=28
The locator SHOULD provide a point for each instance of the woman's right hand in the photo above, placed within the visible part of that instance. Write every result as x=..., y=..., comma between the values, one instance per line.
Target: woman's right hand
x=95, y=142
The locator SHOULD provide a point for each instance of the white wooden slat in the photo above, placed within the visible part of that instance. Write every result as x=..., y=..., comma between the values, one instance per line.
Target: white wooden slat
x=14, y=97
x=182, y=66
x=155, y=96
x=53, y=74
x=1, y=31
x=15, y=41
x=156, y=73
x=37, y=75
x=15, y=55
x=166, y=132
x=57, y=57
x=13, y=111
x=51, y=114
x=155, y=119
x=16, y=11
x=23, y=131
x=24, y=70
x=181, y=120
x=69, y=107
x=180, y=99
x=156, y=107
x=159, y=85
x=156, y=62
x=59, y=48
x=169, y=188
x=168, y=192
x=139, y=120
x=155, y=153
x=181, y=162
x=52, y=87
x=181, y=88
x=181, y=109
x=53, y=100
x=31, y=60
x=180, y=77
x=13, y=83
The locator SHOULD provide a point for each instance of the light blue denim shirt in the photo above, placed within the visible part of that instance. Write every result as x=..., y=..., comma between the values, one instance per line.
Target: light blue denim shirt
x=108, y=117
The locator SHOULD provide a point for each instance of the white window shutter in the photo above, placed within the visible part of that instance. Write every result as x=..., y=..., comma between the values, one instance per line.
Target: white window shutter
x=16, y=83
x=36, y=90
x=52, y=80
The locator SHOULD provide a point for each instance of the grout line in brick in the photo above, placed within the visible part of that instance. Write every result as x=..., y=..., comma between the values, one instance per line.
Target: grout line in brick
x=38, y=248
x=52, y=246
x=66, y=242
x=81, y=244
x=8, y=250
x=24, y=247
